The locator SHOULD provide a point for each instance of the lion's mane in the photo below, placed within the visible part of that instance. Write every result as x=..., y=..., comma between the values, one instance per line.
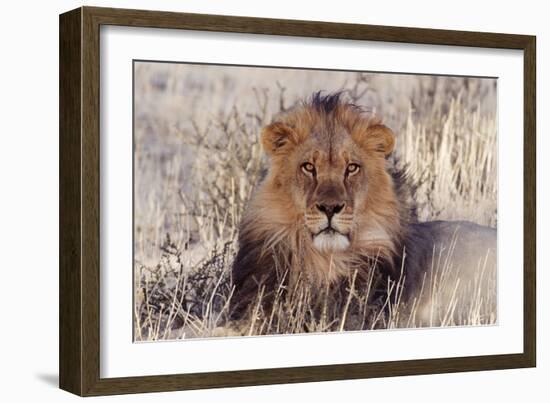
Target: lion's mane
x=275, y=252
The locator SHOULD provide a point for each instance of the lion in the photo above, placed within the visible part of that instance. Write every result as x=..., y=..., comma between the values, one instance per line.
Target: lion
x=332, y=203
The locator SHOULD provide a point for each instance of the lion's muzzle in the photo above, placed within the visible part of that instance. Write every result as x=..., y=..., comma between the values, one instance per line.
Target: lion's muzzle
x=330, y=226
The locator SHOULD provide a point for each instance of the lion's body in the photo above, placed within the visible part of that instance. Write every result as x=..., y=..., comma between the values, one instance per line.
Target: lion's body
x=332, y=206
x=458, y=263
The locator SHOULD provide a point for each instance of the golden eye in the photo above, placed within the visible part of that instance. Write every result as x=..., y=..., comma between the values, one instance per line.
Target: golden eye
x=308, y=168
x=352, y=169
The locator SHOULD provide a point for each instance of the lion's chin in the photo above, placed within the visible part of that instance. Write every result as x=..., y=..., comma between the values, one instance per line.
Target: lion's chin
x=330, y=242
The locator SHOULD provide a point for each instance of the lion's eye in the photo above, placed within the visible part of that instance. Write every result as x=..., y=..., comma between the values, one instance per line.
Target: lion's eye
x=352, y=169
x=308, y=168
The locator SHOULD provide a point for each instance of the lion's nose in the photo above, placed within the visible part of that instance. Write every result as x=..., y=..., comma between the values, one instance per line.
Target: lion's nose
x=330, y=209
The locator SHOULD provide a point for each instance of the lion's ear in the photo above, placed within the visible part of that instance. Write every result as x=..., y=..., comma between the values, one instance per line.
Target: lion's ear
x=378, y=138
x=278, y=138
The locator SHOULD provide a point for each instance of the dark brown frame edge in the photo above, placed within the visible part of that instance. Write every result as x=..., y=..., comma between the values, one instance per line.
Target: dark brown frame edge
x=79, y=200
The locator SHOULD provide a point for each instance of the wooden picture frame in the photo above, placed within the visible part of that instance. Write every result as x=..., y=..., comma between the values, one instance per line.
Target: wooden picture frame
x=79, y=348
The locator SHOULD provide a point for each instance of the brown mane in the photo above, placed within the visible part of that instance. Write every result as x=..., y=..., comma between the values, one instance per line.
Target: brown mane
x=275, y=249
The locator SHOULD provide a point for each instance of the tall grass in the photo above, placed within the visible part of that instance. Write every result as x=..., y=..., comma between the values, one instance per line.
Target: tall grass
x=198, y=158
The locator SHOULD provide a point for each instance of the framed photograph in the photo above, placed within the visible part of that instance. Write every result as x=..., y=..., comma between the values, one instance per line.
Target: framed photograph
x=249, y=201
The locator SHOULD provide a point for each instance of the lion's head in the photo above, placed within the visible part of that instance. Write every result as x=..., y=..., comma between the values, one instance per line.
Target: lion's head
x=329, y=160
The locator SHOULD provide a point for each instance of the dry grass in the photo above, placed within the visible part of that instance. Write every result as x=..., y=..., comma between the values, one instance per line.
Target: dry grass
x=197, y=160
